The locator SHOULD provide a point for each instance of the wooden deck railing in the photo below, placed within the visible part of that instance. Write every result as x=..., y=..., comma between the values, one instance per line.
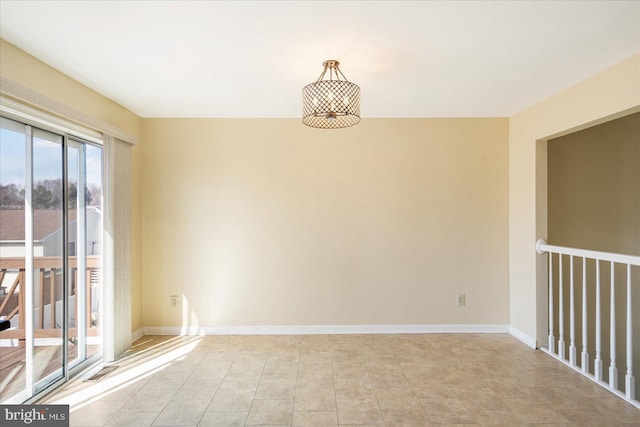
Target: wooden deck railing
x=49, y=273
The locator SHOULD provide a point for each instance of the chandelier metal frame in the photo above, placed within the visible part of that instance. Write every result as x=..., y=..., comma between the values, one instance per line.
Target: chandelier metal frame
x=331, y=103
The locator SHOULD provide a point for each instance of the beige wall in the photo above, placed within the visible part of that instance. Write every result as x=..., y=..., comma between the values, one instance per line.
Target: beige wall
x=35, y=75
x=344, y=231
x=594, y=187
x=612, y=93
x=24, y=69
x=268, y=222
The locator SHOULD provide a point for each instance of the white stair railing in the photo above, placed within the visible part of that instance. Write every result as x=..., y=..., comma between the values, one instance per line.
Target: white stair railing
x=590, y=283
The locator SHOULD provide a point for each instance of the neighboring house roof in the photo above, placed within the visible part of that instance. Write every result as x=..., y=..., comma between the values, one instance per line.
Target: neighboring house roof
x=45, y=222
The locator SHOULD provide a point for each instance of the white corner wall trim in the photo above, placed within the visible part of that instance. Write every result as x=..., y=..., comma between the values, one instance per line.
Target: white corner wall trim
x=528, y=340
x=326, y=329
x=22, y=93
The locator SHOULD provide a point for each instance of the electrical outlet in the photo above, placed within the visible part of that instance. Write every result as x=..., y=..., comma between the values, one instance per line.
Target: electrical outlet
x=461, y=300
x=173, y=301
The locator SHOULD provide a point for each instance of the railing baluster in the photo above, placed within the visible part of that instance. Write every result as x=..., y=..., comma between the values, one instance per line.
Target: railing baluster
x=613, y=371
x=52, y=298
x=560, y=310
x=557, y=321
x=75, y=299
x=585, y=354
x=88, y=297
x=21, y=306
x=629, y=380
x=552, y=344
x=41, y=300
x=572, y=316
x=597, y=363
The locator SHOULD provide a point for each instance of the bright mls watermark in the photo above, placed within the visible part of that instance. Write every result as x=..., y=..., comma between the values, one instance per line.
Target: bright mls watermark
x=34, y=415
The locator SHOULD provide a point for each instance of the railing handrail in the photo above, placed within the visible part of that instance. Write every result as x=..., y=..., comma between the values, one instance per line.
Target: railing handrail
x=542, y=247
x=18, y=263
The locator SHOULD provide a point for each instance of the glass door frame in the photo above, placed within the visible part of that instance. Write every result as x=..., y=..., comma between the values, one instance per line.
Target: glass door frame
x=82, y=297
x=80, y=250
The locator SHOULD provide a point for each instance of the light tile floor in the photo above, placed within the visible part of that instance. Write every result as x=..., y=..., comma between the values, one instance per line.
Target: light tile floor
x=331, y=380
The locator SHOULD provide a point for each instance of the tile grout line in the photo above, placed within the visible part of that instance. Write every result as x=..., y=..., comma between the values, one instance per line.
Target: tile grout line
x=333, y=372
x=217, y=388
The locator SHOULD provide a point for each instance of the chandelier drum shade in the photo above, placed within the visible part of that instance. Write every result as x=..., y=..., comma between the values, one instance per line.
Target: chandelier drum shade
x=331, y=103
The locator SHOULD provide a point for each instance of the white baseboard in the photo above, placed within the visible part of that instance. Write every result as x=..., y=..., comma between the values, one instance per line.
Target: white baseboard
x=137, y=334
x=528, y=340
x=326, y=329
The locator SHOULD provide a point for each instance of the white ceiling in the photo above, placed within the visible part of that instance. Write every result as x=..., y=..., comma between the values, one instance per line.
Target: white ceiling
x=252, y=58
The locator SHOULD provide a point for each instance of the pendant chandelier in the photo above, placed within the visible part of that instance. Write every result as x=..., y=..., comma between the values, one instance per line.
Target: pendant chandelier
x=332, y=103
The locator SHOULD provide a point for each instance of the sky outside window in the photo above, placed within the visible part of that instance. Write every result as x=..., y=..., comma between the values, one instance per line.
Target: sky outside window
x=46, y=160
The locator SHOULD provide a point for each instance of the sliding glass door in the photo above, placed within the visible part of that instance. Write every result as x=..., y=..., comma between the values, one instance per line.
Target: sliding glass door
x=13, y=351
x=50, y=256
x=47, y=246
x=84, y=219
